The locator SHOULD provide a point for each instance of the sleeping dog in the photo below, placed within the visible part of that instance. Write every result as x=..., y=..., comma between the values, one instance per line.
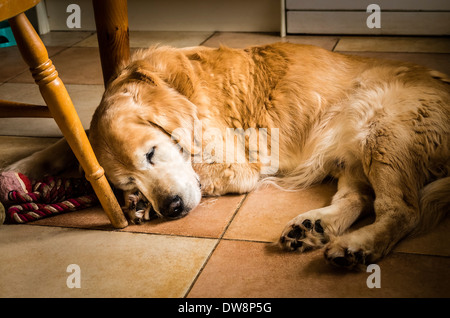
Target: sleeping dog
x=175, y=124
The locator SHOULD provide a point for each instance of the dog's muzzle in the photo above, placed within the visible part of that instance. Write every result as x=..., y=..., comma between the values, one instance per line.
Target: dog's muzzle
x=173, y=207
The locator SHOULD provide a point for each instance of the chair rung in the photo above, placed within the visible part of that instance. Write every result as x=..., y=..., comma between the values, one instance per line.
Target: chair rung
x=14, y=109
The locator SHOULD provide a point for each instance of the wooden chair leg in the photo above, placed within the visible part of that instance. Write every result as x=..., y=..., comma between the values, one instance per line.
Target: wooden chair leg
x=111, y=20
x=60, y=105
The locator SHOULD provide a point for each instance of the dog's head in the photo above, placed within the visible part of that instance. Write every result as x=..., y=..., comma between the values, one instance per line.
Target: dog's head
x=131, y=133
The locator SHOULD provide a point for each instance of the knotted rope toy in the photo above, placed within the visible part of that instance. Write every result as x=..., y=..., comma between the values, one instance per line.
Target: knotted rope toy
x=26, y=200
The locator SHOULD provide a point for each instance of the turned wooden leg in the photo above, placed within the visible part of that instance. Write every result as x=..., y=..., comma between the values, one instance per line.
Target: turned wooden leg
x=60, y=105
x=111, y=21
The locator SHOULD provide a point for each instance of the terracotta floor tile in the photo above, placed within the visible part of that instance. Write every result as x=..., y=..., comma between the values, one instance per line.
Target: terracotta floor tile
x=64, y=38
x=76, y=65
x=266, y=211
x=250, y=269
x=84, y=97
x=90, y=218
x=395, y=44
x=439, y=62
x=112, y=264
x=242, y=40
x=209, y=219
x=435, y=242
x=11, y=63
x=79, y=66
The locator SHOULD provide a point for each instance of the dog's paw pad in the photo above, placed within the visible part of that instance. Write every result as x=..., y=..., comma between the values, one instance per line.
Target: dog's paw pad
x=318, y=227
x=307, y=224
x=303, y=234
x=344, y=257
x=296, y=233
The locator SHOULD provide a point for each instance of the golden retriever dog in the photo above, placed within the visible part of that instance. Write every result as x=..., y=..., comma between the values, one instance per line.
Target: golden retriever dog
x=175, y=124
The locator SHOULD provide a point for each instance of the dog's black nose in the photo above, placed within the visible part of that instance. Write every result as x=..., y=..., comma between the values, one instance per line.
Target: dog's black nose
x=173, y=207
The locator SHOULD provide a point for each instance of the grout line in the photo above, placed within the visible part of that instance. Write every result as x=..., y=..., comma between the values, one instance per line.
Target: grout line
x=233, y=216
x=209, y=37
x=335, y=44
x=27, y=70
x=219, y=239
x=247, y=240
x=419, y=254
x=201, y=268
x=64, y=48
x=74, y=44
x=8, y=81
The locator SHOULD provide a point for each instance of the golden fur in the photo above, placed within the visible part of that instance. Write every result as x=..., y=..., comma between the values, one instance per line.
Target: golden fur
x=382, y=128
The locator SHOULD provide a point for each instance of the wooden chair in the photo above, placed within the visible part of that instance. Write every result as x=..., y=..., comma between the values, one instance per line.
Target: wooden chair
x=59, y=105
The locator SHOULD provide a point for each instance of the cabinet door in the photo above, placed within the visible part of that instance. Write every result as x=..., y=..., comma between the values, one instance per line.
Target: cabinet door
x=396, y=17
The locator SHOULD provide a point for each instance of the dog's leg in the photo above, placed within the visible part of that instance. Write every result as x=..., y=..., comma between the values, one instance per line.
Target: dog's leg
x=315, y=228
x=220, y=179
x=137, y=209
x=397, y=213
x=134, y=214
x=49, y=161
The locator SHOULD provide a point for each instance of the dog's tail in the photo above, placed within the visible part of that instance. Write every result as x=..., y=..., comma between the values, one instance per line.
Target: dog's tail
x=434, y=204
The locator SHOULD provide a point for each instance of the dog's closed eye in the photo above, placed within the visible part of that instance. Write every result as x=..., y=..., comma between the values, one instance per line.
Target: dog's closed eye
x=149, y=155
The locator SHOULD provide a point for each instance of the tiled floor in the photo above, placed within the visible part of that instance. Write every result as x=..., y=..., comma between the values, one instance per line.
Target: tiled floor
x=222, y=248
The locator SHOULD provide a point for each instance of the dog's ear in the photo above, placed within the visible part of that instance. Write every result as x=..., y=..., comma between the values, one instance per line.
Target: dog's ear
x=164, y=102
x=180, y=79
x=175, y=75
x=177, y=117
x=141, y=71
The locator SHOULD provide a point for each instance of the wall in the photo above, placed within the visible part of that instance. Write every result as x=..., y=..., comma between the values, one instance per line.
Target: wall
x=175, y=15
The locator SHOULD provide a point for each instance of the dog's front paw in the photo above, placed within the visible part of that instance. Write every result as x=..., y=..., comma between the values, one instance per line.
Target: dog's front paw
x=136, y=208
x=304, y=233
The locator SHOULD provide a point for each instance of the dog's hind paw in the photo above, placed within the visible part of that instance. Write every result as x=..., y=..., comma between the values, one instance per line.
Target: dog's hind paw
x=341, y=253
x=303, y=233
